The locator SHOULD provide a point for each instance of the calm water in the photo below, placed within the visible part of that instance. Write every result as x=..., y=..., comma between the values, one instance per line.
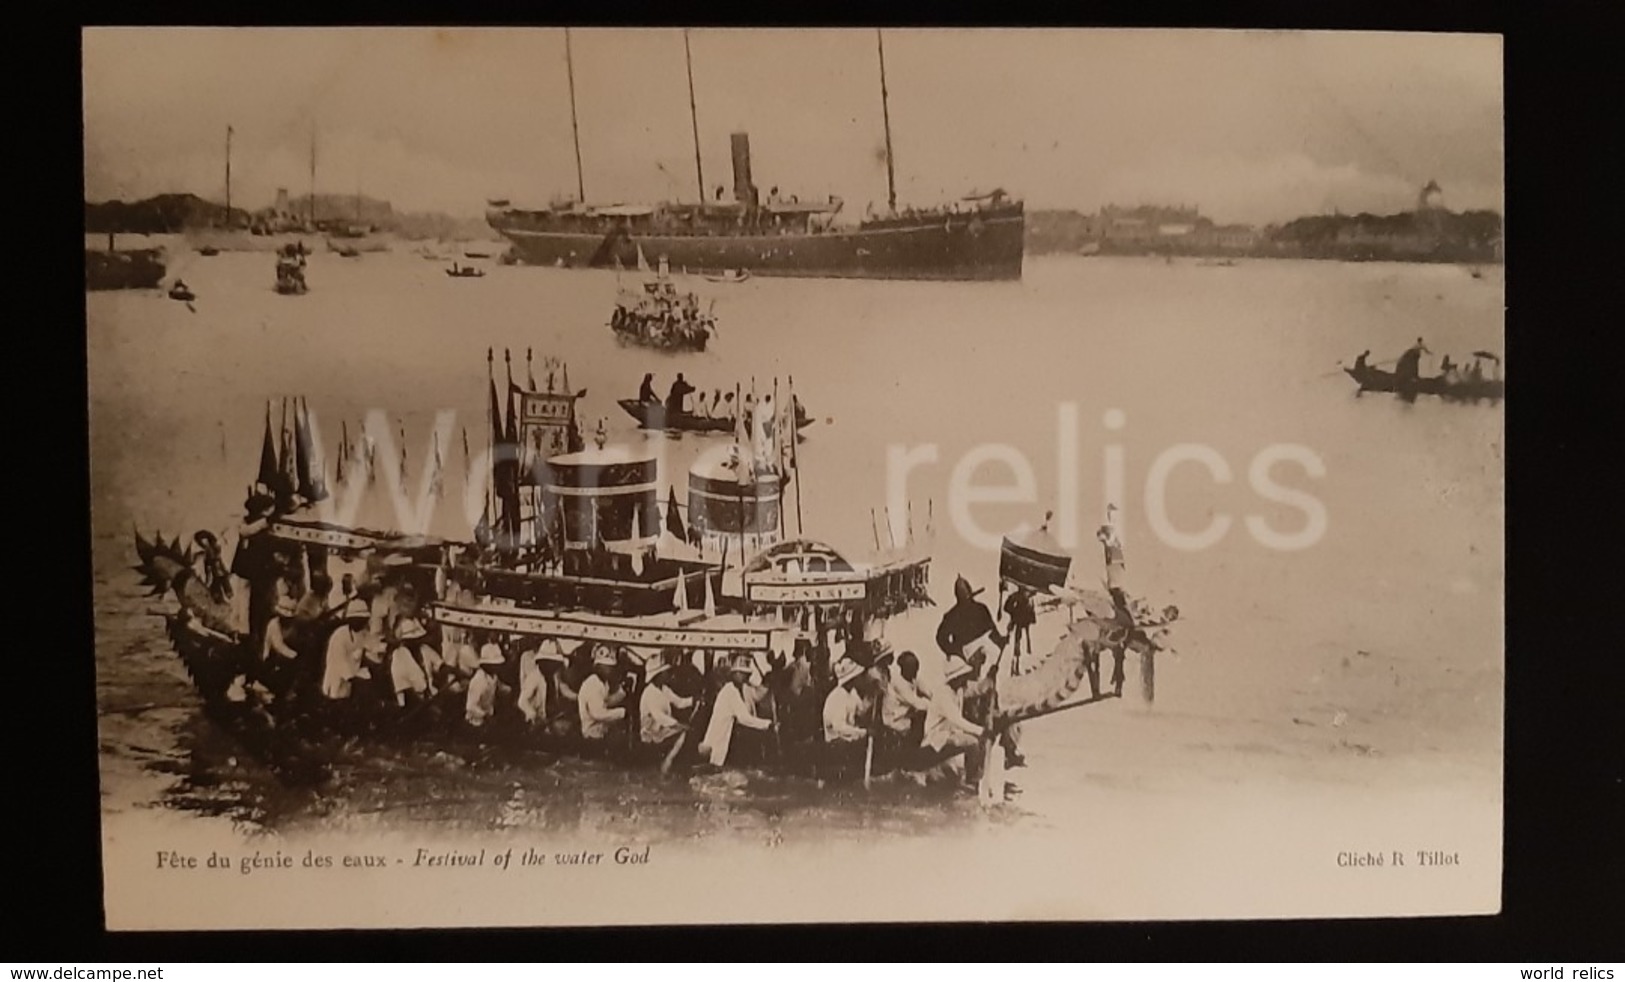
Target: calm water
x=1374, y=654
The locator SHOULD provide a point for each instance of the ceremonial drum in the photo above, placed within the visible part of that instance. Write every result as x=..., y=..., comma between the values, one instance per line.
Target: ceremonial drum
x=721, y=506
x=606, y=495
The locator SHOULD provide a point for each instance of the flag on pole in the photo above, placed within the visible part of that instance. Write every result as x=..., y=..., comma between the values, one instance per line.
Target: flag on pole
x=344, y=450
x=301, y=453
x=674, y=520
x=435, y=480
x=270, y=466
x=318, y=460
x=288, y=480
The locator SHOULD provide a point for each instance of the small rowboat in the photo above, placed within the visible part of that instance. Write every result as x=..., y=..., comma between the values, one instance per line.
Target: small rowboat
x=1377, y=380
x=729, y=276
x=653, y=416
x=465, y=272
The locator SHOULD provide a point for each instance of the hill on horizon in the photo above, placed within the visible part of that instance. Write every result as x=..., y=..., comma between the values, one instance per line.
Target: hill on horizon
x=178, y=212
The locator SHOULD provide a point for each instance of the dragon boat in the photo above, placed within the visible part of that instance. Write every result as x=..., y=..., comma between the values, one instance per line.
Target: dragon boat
x=575, y=551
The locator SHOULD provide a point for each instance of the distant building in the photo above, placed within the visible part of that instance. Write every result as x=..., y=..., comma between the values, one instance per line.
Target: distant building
x=1228, y=238
x=1158, y=228
x=280, y=217
x=1145, y=224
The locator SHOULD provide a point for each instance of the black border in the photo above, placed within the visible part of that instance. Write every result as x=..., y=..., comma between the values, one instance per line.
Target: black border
x=1563, y=770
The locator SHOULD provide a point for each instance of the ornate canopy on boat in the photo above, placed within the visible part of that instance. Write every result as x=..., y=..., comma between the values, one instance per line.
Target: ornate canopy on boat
x=800, y=572
x=1034, y=559
x=305, y=529
x=798, y=555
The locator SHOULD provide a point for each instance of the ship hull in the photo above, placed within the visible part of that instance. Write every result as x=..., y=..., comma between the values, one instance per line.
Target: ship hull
x=125, y=269
x=956, y=247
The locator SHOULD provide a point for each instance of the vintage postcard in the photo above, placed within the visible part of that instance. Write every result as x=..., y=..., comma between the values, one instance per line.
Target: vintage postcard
x=605, y=477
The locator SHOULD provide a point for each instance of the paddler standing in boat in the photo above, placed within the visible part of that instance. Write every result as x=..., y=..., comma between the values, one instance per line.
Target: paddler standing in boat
x=968, y=628
x=1019, y=609
x=1112, y=543
x=253, y=562
x=646, y=392
x=680, y=390
x=969, y=632
x=1410, y=363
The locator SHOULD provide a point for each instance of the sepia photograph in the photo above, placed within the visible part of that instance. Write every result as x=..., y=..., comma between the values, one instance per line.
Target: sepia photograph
x=552, y=477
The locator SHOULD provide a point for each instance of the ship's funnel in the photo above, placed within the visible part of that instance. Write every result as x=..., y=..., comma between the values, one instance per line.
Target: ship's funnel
x=744, y=190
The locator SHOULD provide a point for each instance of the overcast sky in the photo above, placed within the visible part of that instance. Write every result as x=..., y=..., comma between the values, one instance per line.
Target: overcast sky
x=1250, y=126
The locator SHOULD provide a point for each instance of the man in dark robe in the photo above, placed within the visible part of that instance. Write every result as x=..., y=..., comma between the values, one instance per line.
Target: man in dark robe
x=1410, y=362
x=968, y=626
x=680, y=390
x=254, y=561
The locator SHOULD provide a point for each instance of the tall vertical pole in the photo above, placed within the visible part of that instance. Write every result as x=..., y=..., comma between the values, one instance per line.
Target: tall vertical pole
x=228, y=177
x=575, y=130
x=313, y=177
x=778, y=448
x=885, y=116
x=795, y=438
x=693, y=117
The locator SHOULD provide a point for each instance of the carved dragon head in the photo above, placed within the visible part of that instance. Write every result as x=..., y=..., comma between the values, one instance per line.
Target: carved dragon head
x=162, y=563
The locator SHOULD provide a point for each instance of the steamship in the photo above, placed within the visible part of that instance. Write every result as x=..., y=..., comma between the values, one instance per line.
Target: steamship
x=979, y=237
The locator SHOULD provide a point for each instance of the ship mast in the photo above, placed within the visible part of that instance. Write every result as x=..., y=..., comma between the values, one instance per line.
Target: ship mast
x=575, y=131
x=885, y=116
x=313, y=177
x=693, y=118
x=228, y=177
